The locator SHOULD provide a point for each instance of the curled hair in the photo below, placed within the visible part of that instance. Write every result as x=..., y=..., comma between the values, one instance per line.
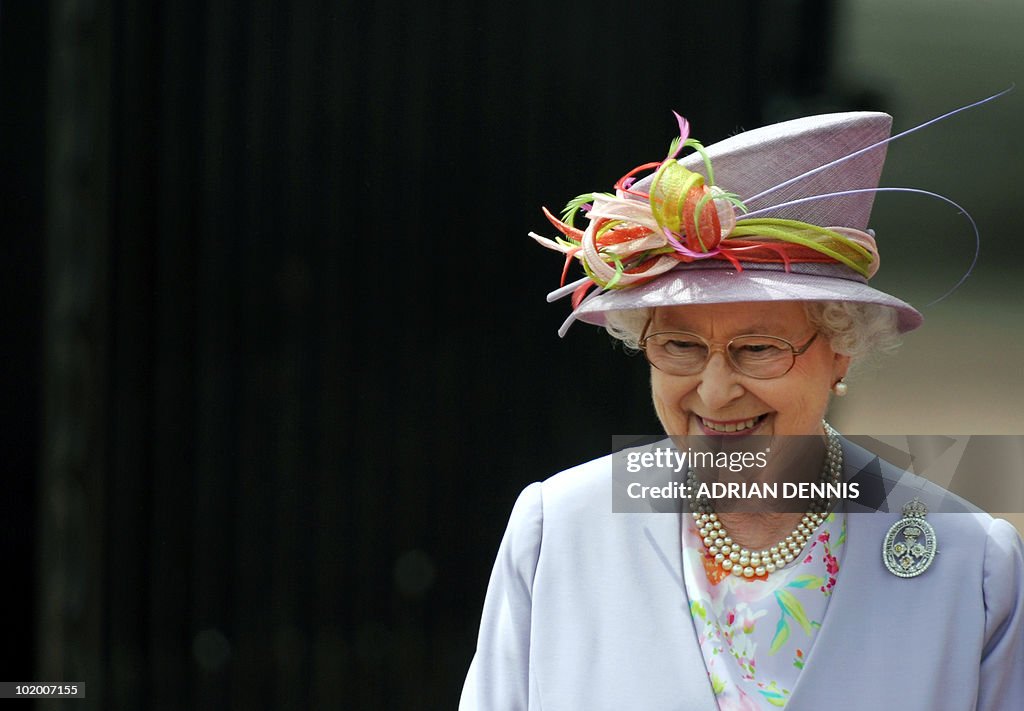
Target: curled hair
x=852, y=328
x=627, y=325
x=855, y=329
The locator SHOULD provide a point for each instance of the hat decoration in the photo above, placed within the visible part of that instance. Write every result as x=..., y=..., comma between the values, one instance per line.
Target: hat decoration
x=634, y=236
x=676, y=217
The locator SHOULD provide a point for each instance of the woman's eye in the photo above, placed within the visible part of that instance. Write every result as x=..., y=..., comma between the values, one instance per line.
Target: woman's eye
x=677, y=347
x=758, y=351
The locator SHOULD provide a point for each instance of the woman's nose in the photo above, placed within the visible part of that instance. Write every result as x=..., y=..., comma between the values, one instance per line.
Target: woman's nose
x=719, y=383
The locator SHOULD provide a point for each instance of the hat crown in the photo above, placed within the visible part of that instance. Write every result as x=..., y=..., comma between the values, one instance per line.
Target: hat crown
x=756, y=161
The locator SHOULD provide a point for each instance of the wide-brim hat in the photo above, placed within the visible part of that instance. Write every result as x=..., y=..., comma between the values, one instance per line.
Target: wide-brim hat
x=720, y=284
x=817, y=171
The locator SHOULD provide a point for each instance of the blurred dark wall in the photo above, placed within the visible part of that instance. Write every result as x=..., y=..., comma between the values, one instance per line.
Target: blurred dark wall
x=297, y=362
x=23, y=60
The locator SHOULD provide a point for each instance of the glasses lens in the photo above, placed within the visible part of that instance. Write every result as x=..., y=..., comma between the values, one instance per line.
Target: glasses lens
x=761, y=356
x=677, y=353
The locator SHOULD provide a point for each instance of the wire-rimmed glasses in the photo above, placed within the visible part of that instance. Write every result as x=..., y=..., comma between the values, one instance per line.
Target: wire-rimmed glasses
x=754, y=355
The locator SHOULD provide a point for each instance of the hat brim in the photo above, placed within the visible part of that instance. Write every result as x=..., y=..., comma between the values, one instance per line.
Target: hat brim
x=689, y=286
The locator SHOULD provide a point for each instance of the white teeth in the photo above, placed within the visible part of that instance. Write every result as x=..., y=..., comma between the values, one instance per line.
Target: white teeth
x=732, y=426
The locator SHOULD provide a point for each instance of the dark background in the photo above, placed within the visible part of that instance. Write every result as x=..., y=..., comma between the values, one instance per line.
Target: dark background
x=277, y=355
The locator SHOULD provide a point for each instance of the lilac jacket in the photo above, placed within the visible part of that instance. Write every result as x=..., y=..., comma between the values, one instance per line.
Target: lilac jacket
x=586, y=609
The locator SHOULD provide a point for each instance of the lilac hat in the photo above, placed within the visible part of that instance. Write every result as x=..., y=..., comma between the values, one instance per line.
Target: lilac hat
x=778, y=213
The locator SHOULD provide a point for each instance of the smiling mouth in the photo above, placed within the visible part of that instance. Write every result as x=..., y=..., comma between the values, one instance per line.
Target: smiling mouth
x=733, y=427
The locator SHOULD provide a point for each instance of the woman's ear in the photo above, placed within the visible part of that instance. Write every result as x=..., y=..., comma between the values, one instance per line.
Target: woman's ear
x=840, y=366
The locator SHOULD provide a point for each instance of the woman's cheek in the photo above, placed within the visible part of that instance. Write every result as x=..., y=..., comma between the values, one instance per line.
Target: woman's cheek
x=666, y=406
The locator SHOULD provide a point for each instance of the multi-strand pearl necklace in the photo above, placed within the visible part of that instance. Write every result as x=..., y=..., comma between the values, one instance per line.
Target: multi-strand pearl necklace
x=740, y=561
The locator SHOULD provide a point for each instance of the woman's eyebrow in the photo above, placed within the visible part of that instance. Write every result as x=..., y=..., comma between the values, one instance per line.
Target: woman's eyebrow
x=759, y=328
x=772, y=330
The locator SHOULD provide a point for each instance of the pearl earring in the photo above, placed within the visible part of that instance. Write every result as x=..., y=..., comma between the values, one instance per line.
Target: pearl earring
x=840, y=388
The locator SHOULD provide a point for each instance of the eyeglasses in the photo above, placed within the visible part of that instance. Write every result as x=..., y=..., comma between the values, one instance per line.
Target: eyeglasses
x=754, y=355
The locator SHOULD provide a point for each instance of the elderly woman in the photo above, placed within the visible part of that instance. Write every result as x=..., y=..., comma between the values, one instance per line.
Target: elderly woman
x=749, y=306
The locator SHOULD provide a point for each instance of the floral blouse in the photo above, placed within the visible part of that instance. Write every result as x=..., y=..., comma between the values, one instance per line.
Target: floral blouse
x=756, y=634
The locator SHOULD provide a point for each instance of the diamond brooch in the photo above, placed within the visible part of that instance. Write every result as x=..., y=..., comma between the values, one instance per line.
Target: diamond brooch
x=910, y=545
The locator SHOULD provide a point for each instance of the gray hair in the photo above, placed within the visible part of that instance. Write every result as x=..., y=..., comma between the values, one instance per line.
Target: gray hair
x=854, y=329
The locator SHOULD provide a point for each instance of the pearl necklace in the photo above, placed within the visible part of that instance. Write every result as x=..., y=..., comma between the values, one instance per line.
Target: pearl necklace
x=759, y=564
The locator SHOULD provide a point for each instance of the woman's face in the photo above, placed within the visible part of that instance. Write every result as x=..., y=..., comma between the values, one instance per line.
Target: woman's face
x=719, y=398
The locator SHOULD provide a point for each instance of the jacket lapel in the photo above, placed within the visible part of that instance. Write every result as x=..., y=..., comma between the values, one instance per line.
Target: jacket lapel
x=664, y=537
